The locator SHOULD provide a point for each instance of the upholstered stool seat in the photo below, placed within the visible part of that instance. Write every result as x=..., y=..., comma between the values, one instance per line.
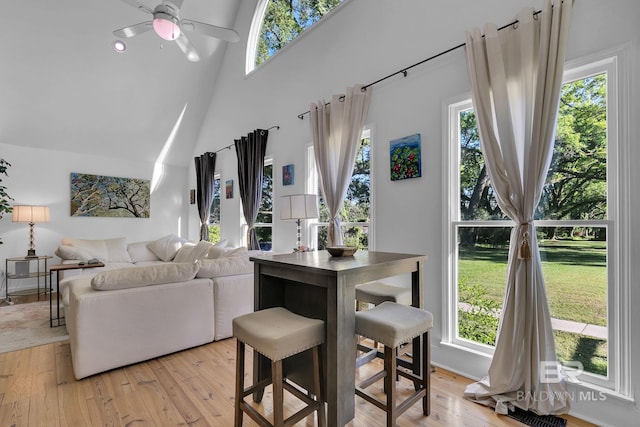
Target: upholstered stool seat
x=393, y=324
x=277, y=334
x=376, y=293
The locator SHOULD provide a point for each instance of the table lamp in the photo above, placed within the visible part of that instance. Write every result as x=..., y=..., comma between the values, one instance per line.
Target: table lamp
x=31, y=215
x=299, y=207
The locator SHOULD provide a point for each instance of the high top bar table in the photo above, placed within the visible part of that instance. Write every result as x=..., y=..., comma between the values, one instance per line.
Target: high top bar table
x=316, y=285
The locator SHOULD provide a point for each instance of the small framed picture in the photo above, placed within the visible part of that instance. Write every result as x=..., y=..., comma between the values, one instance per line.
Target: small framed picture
x=192, y=196
x=287, y=175
x=228, y=188
x=406, y=160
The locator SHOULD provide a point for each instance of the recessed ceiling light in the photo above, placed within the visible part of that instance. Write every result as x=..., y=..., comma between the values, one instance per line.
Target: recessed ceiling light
x=119, y=46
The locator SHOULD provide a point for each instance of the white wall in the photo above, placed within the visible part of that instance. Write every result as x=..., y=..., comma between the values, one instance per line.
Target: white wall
x=42, y=177
x=366, y=40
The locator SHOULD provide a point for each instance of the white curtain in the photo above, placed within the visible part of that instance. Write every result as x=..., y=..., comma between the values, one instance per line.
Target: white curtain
x=336, y=129
x=516, y=76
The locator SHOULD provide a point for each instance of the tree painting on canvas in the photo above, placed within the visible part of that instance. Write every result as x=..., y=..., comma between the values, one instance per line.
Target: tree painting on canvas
x=405, y=158
x=97, y=195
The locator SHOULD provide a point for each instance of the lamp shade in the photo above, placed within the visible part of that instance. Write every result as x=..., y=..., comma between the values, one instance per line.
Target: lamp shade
x=299, y=206
x=30, y=214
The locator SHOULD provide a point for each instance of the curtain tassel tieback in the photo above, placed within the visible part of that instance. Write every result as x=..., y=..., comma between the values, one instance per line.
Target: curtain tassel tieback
x=525, y=249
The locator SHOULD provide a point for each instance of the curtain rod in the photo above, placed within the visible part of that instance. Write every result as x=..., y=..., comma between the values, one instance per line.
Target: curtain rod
x=405, y=70
x=228, y=147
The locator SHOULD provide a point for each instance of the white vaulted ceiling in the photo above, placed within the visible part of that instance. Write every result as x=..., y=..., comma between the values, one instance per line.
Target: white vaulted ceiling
x=63, y=87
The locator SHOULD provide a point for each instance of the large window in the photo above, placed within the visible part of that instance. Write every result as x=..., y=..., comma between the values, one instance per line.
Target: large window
x=356, y=208
x=214, y=217
x=277, y=22
x=264, y=220
x=576, y=222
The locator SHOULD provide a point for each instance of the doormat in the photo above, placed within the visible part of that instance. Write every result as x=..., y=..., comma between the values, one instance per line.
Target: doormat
x=534, y=420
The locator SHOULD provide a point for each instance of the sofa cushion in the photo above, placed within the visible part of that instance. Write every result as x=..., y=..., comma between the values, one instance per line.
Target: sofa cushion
x=230, y=252
x=95, y=248
x=225, y=266
x=146, y=263
x=216, y=250
x=139, y=252
x=106, y=250
x=190, y=252
x=166, y=247
x=65, y=252
x=117, y=250
x=144, y=276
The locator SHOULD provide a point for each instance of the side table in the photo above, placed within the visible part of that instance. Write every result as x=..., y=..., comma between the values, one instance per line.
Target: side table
x=19, y=268
x=58, y=268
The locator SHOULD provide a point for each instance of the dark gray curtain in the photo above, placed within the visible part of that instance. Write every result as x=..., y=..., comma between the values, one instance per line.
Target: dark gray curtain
x=205, y=168
x=251, y=150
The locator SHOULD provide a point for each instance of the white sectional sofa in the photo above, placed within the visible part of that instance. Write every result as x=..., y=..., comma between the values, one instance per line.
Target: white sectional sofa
x=162, y=296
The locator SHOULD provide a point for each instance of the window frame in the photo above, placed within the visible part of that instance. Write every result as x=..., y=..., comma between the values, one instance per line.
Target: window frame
x=618, y=309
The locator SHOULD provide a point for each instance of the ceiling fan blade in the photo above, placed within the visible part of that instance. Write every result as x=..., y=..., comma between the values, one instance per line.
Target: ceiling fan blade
x=137, y=5
x=133, y=30
x=222, y=33
x=189, y=50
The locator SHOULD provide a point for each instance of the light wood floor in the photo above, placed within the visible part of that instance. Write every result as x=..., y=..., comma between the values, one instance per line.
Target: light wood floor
x=193, y=387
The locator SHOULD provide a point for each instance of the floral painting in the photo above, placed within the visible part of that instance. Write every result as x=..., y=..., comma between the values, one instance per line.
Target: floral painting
x=405, y=158
x=97, y=195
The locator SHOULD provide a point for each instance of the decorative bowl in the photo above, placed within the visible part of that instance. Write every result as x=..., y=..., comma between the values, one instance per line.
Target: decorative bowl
x=340, y=251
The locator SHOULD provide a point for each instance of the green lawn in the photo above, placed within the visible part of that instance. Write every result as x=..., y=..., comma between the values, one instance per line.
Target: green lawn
x=576, y=283
x=574, y=272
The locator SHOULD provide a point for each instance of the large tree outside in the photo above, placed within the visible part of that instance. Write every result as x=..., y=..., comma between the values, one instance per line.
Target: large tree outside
x=573, y=250
x=284, y=20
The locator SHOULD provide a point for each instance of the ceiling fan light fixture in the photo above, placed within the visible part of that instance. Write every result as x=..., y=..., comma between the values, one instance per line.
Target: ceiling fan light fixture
x=166, y=26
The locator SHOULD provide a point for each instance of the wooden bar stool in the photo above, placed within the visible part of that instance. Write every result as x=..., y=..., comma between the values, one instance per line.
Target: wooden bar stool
x=376, y=293
x=277, y=334
x=393, y=324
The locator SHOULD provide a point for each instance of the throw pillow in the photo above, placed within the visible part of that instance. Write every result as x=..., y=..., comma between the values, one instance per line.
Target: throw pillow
x=71, y=252
x=96, y=248
x=221, y=244
x=144, y=276
x=214, y=252
x=166, y=247
x=184, y=253
x=139, y=252
x=190, y=252
x=117, y=250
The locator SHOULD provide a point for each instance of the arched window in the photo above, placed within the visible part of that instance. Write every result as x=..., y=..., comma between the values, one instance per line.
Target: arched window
x=277, y=22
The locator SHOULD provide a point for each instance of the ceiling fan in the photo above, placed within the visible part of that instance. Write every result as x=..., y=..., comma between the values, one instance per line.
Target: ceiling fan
x=169, y=26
